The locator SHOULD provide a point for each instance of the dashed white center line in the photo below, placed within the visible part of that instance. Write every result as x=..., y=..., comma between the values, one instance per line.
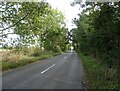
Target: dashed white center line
x=47, y=69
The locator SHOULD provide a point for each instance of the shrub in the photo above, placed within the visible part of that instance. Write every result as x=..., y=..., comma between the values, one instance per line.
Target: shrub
x=98, y=75
x=57, y=49
x=37, y=52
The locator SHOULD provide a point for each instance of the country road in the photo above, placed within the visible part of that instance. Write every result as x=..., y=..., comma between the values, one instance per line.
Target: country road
x=64, y=71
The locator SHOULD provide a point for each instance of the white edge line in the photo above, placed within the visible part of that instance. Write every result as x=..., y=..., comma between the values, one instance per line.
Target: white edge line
x=47, y=69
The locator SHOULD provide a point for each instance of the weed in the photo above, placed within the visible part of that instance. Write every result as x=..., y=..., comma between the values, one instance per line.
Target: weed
x=98, y=75
x=14, y=59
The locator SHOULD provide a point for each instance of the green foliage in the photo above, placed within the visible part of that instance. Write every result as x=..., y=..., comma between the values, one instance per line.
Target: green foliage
x=34, y=23
x=36, y=52
x=98, y=76
x=98, y=33
x=57, y=49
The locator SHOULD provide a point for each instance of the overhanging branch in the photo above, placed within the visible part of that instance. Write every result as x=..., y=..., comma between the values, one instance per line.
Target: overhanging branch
x=6, y=34
x=16, y=22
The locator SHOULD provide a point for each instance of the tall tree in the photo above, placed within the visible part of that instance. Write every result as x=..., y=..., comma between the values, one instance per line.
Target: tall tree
x=98, y=32
x=34, y=23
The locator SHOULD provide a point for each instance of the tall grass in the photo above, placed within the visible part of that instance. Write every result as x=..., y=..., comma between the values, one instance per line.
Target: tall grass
x=98, y=76
x=13, y=58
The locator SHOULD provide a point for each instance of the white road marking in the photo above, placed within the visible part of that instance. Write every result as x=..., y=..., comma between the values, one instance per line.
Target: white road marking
x=47, y=69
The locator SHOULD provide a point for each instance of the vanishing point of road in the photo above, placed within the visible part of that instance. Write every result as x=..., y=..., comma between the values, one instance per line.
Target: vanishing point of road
x=64, y=71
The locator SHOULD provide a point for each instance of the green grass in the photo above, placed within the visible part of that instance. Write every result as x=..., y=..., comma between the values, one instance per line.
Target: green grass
x=0, y=66
x=15, y=64
x=98, y=76
x=24, y=61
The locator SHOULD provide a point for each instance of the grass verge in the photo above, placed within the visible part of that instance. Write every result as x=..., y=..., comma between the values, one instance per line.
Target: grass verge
x=22, y=61
x=98, y=76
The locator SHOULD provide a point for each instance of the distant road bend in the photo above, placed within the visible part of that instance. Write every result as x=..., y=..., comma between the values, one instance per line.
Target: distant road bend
x=64, y=71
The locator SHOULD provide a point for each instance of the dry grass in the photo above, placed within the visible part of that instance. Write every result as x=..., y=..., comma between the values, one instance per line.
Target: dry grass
x=13, y=59
x=2, y=51
x=15, y=56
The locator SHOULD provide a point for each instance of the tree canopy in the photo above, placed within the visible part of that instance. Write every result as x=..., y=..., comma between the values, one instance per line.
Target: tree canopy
x=34, y=23
x=97, y=32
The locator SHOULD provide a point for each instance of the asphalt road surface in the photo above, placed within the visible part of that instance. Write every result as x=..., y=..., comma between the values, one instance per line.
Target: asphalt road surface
x=64, y=71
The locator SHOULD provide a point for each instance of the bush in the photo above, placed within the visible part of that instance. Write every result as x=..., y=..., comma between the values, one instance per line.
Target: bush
x=25, y=50
x=36, y=52
x=98, y=75
x=57, y=49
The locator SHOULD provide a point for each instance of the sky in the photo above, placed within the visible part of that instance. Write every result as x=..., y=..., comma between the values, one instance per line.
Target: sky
x=69, y=11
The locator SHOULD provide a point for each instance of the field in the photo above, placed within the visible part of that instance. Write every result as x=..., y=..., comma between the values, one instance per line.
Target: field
x=11, y=59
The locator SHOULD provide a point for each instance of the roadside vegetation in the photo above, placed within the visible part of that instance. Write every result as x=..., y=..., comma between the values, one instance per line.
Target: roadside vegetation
x=97, y=40
x=99, y=76
x=31, y=24
x=12, y=58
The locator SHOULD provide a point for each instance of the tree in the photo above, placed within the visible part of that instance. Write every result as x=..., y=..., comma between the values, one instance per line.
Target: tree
x=35, y=23
x=97, y=33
